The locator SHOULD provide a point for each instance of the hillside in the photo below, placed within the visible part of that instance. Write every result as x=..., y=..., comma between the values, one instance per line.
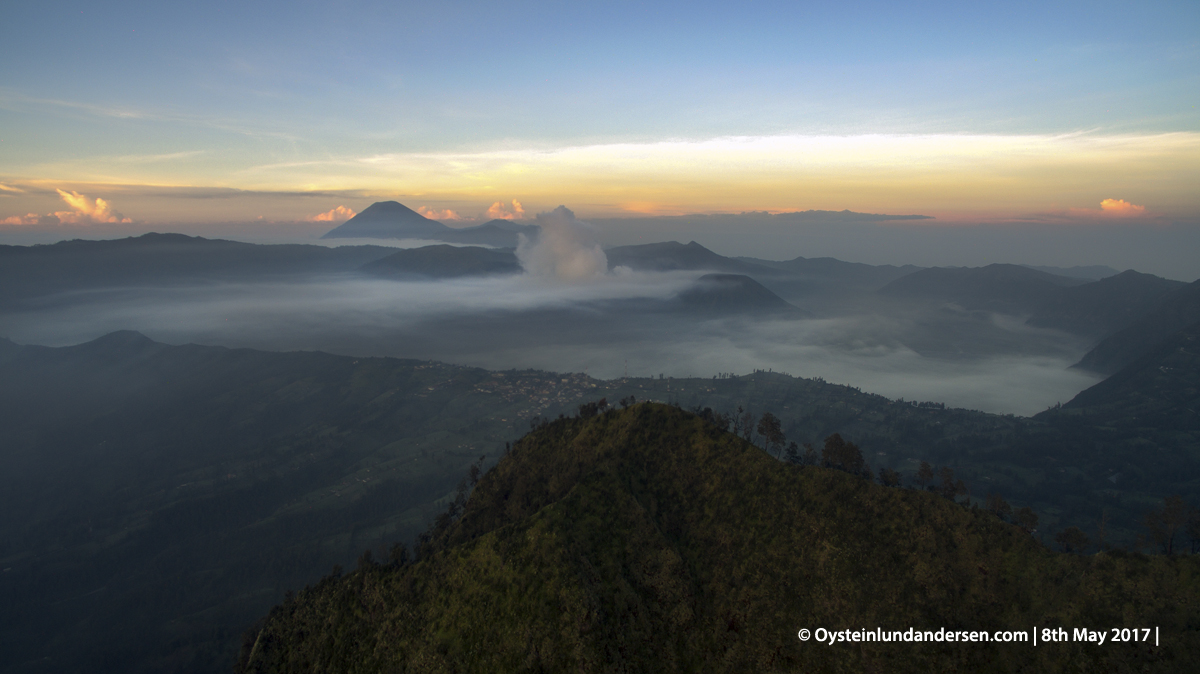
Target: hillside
x=445, y=261
x=670, y=255
x=733, y=294
x=156, y=260
x=156, y=499
x=831, y=272
x=1175, y=311
x=1005, y=288
x=649, y=540
x=1160, y=389
x=1101, y=308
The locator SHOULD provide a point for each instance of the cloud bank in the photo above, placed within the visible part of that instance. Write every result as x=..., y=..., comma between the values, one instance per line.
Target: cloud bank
x=339, y=214
x=434, y=214
x=502, y=211
x=523, y=321
x=84, y=211
x=1121, y=207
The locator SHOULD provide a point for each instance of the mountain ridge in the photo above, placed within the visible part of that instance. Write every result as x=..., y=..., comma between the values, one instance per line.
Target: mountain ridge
x=1174, y=311
x=649, y=540
x=1005, y=288
x=394, y=220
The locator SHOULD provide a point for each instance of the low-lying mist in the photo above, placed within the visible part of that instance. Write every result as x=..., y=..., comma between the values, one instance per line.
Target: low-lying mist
x=604, y=325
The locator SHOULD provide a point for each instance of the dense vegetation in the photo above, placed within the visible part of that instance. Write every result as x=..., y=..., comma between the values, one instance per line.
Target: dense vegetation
x=154, y=500
x=650, y=540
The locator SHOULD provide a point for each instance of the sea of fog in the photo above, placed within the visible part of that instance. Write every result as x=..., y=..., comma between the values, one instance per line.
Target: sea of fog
x=604, y=325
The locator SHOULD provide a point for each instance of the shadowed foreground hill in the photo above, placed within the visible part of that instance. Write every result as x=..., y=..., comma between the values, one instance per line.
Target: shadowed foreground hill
x=648, y=540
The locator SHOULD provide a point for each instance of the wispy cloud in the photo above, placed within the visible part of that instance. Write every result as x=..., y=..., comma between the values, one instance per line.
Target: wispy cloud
x=153, y=158
x=11, y=100
x=14, y=100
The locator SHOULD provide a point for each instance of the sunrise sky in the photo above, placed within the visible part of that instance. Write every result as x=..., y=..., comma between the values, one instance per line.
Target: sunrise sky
x=150, y=113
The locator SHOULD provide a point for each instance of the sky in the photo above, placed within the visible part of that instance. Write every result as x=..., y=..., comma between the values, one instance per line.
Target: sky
x=151, y=115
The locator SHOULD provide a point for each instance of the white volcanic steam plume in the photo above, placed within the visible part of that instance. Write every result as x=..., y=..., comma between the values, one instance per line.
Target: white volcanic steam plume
x=565, y=248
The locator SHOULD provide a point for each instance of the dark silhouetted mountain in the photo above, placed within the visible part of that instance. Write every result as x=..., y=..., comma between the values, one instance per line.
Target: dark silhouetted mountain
x=118, y=345
x=387, y=220
x=393, y=220
x=443, y=261
x=1103, y=307
x=163, y=259
x=1093, y=272
x=648, y=540
x=830, y=271
x=1004, y=288
x=733, y=294
x=1161, y=388
x=1177, y=310
x=496, y=233
x=671, y=255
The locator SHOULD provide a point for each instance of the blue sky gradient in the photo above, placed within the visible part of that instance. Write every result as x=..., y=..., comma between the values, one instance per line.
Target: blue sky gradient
x=365, y=100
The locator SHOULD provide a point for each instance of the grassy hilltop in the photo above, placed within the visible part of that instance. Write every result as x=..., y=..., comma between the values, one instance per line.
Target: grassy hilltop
x=649, y=540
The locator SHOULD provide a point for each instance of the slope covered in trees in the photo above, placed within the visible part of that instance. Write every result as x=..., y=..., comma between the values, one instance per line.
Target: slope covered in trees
x=650, y=540
x=156, y=499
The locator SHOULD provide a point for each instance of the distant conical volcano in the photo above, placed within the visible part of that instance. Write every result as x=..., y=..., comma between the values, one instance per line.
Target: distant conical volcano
x=394, y=220
x=388, y=220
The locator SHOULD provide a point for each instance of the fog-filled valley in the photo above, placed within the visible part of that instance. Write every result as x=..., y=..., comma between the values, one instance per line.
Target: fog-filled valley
x=196, y=426
x=639, y=310
x=967, y=359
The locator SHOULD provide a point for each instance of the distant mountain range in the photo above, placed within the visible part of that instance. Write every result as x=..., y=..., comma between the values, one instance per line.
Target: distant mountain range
x=1100, y=308
x=672, y=255
x=393, y=220
x=828, y=271
x=1095, y=310
x=163, y=259
x=444, y=261
x=1093, y=272
x=1156, y=324
x=1005, y=288
x=1125, y=315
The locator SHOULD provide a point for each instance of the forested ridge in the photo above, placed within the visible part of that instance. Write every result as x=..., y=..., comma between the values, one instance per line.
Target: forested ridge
x=157, y=499
x=648, y=539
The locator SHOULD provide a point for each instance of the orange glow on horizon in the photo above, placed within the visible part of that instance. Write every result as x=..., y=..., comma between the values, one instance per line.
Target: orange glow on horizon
x=963, y=178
